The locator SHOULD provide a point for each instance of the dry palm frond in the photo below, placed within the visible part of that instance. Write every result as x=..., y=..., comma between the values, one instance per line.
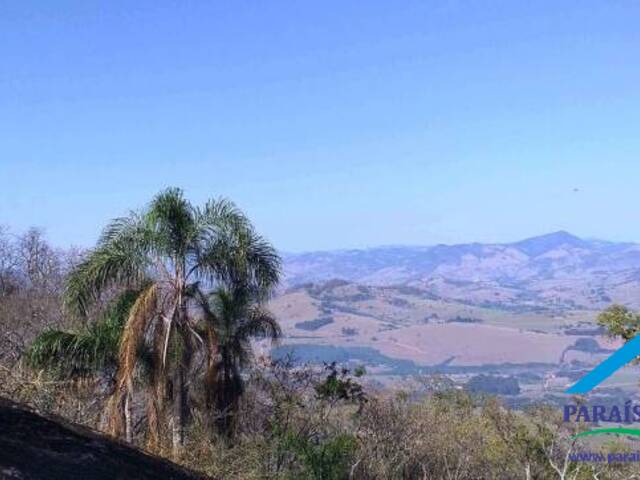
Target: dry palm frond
x=141, y=313
x=157, y=387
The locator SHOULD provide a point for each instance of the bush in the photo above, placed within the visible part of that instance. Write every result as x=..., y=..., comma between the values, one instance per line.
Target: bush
x=494, y=385
x=316, y=324
x=325, y=459
x=349, y=332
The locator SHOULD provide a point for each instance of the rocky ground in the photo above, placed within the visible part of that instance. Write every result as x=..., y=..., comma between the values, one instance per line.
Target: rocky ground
x=34, y=447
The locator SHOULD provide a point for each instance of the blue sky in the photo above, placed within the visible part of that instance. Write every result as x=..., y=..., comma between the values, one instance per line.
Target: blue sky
x=332, y=124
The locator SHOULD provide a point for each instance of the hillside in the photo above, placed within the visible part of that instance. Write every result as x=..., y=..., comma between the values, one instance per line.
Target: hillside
x=411, y=324
x=526, y=307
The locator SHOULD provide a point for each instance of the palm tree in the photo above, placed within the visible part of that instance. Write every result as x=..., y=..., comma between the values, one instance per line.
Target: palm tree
x=87, y=351
x=237, y=317
x=175, y=254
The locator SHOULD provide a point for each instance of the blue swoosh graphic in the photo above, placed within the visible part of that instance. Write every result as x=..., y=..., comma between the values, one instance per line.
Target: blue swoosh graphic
x=618, y=359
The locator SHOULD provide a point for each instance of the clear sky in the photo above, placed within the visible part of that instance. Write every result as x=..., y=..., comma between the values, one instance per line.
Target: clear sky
x=332, y=124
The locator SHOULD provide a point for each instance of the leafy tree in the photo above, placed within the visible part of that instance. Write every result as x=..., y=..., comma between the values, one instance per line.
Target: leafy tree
x=339, y=385
x=620, y=322
x=236, y=318
x=173, y=253
x=493, y=384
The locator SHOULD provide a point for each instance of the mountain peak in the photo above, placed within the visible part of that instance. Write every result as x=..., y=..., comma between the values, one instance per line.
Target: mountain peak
x=564, y=234
x=535, y=246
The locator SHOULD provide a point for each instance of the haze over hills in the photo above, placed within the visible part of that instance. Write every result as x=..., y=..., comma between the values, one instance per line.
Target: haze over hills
x=556, y=271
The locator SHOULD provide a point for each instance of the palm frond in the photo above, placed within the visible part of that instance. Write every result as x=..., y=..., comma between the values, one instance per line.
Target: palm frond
x=230, y=252
x=156, y=386
x=69, y=354
x=140, y=315
x=82, y=353
x=53, y=350
x=219, y=216
x=263, y=264
x=171, y=217
x=260, y=323
x=120, y=259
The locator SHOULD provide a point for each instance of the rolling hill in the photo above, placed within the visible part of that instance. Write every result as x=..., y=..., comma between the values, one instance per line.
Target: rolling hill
x=527, y=306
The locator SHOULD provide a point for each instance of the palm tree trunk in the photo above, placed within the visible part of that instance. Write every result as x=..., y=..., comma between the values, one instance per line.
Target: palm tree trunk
x=226, y=395
x=128, y=423
x=211, y=381
x=181, y=391
x=179, y=407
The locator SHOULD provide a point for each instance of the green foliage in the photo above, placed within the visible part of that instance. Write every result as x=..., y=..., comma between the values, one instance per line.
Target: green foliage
x=87, y=351
x=326, y=459
x=314, y=324
x=118, y=260
x=338, y=385
x=493, y=384
x=620, y=322
x=172, y=238
x=236, y=318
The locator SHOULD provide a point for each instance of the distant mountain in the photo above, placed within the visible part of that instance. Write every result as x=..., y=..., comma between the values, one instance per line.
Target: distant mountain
x=558, y=270
x=539, y=245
